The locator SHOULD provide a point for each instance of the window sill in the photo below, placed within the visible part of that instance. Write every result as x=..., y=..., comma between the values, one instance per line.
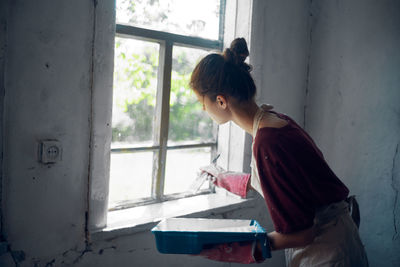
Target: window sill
x=143, y=218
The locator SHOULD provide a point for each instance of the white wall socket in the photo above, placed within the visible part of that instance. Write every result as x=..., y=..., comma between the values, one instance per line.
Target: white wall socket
x=50, y=151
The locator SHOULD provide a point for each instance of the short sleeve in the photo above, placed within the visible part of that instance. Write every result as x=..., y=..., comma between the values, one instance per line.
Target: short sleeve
x=295, y=178
x=282, y=167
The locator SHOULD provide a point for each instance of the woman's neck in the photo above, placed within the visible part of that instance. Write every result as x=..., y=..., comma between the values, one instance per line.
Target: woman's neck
x=243, y=115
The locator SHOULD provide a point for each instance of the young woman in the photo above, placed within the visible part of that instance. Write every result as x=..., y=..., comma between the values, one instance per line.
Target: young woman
x=306, y=200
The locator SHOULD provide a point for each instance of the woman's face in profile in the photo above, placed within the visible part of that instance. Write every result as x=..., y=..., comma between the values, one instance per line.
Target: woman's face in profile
x=215, y=109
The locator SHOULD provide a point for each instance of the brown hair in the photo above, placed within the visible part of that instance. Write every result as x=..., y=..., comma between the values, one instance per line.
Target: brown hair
x=225, y=74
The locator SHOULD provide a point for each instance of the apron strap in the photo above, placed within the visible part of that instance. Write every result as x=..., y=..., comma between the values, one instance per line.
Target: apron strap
x=255, y=179
x=354, y=209
x=257, y=118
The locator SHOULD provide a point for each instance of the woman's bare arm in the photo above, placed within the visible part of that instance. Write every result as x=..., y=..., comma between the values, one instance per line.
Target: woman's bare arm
x=298, y=239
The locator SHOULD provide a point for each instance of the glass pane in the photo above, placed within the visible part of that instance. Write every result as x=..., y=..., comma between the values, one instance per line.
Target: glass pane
x=182, y=168
x=134, y=93
x=187, y=121
x=130, y=176
x=188, y=17
x=134, y=97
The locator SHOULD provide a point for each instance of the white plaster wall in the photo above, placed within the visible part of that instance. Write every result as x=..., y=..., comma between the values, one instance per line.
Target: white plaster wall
x=279, y=54
x=334, y=67
x=53, y=67
x=353, y=111
x=102, y=65
x=47, y=81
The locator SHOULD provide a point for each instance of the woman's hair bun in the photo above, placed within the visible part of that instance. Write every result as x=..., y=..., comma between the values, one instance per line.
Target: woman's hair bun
x=225, y=74
x=237, y=53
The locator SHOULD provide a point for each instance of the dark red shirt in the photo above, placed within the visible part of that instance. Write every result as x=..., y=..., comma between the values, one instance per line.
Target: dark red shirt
x=294, y=176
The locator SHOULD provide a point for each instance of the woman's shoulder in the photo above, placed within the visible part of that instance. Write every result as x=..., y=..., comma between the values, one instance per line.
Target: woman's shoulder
x=277, y=129
x=289, y=138
x=273, y=120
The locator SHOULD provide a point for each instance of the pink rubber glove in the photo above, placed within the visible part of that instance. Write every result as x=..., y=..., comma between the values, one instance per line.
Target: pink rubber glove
x=242, y=252
x=234, y=182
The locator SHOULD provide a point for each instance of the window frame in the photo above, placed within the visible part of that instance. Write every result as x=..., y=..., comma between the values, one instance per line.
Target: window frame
x=160, y=145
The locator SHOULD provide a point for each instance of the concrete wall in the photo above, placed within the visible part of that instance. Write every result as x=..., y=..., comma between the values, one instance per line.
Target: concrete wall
x=279, y=55
x=47, y=96
x=334, y=66
x=54, y=58
x=353, y=111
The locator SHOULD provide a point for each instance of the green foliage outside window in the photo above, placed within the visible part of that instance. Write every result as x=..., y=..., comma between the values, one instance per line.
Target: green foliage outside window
x=136, y=74
x=135, y=77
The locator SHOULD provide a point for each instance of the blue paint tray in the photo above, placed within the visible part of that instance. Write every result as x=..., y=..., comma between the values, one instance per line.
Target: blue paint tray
x=190, y=235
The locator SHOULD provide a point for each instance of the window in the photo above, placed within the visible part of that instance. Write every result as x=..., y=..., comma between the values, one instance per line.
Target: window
x=160, y=135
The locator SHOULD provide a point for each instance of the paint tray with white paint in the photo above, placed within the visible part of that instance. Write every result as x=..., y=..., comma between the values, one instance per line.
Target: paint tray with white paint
x=190, y=235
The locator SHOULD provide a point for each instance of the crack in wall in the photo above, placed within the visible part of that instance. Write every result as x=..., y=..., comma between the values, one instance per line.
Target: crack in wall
x=3, y=48
x=50, y=263
x=308, y=65
x=70, y=260
x=79, y=258
x=396, y=192
x=17, y=256
x=101, y=251
x=67, y=258
x=90, y=120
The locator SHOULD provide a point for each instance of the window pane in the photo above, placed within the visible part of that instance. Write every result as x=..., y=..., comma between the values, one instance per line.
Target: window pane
x=187, y=121
x=134, y=97
x=134, y=93
x=130, y=176
x=188, y=17
x=182, y=168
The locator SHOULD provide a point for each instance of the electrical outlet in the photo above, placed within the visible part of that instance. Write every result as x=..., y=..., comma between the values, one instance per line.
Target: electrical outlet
x=50, y=151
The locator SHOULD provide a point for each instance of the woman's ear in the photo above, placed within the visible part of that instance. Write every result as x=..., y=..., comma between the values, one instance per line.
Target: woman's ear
x=222, y=102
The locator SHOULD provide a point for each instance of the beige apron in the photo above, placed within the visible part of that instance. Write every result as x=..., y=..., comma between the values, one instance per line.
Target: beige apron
x=254, y=178
x=337, y=242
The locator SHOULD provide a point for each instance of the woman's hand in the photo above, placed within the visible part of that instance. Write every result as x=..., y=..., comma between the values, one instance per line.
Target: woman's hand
x=234, y=182
x=298, y=239
x=213, y=170
x=238, y=252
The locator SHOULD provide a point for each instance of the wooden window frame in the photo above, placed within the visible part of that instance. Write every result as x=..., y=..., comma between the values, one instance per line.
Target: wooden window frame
x=160, y=147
